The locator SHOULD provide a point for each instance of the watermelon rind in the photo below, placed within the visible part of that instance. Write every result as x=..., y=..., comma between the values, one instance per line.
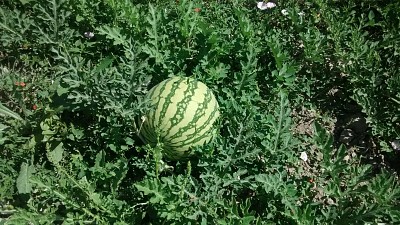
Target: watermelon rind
x=182, y=116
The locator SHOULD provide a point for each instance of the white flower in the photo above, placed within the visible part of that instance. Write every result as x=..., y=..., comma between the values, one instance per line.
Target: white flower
x=284, y=12
x=88, y=34
x=395, y=145
x=264, y=6
x=301, y=13
x=270, y=5
x=303, y=156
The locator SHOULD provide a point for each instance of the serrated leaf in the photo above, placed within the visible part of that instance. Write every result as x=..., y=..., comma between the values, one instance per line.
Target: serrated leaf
x=151, y=188
x=113, y=34
x=104, y=63
x=23, y=184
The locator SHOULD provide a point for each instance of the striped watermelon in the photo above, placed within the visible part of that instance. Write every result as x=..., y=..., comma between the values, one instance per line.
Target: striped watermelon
x=183, y=114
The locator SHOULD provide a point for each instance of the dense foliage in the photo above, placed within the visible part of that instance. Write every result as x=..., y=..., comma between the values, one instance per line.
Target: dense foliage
x=74, y=73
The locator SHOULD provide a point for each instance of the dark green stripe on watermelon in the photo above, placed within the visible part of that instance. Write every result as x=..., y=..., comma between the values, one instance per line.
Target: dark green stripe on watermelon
x=199, y=114
x=193, y=138
x=182, y=107
x=149, y=126
x=183, y=116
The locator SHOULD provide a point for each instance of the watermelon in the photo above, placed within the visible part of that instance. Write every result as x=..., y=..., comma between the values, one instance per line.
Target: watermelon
x=183, y=113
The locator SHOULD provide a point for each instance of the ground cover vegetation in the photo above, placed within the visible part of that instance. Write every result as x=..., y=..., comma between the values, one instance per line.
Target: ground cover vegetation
x=309, y=97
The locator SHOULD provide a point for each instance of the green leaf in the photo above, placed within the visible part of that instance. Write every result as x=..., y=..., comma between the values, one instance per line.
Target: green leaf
x=247, y=220
x=221, y=222
x=96, y=198
x=371, y=15
x=3, y=127
x=61, y=91
x=25, y=1
x=78, y=133
x=120, y=174
x=4, y=111
x=151, y=187
x=104, y=63
x=23, y=184
x=79, y=18
x=55, y=156
x=113, y=33
x=100, y=160
x=129, y=141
